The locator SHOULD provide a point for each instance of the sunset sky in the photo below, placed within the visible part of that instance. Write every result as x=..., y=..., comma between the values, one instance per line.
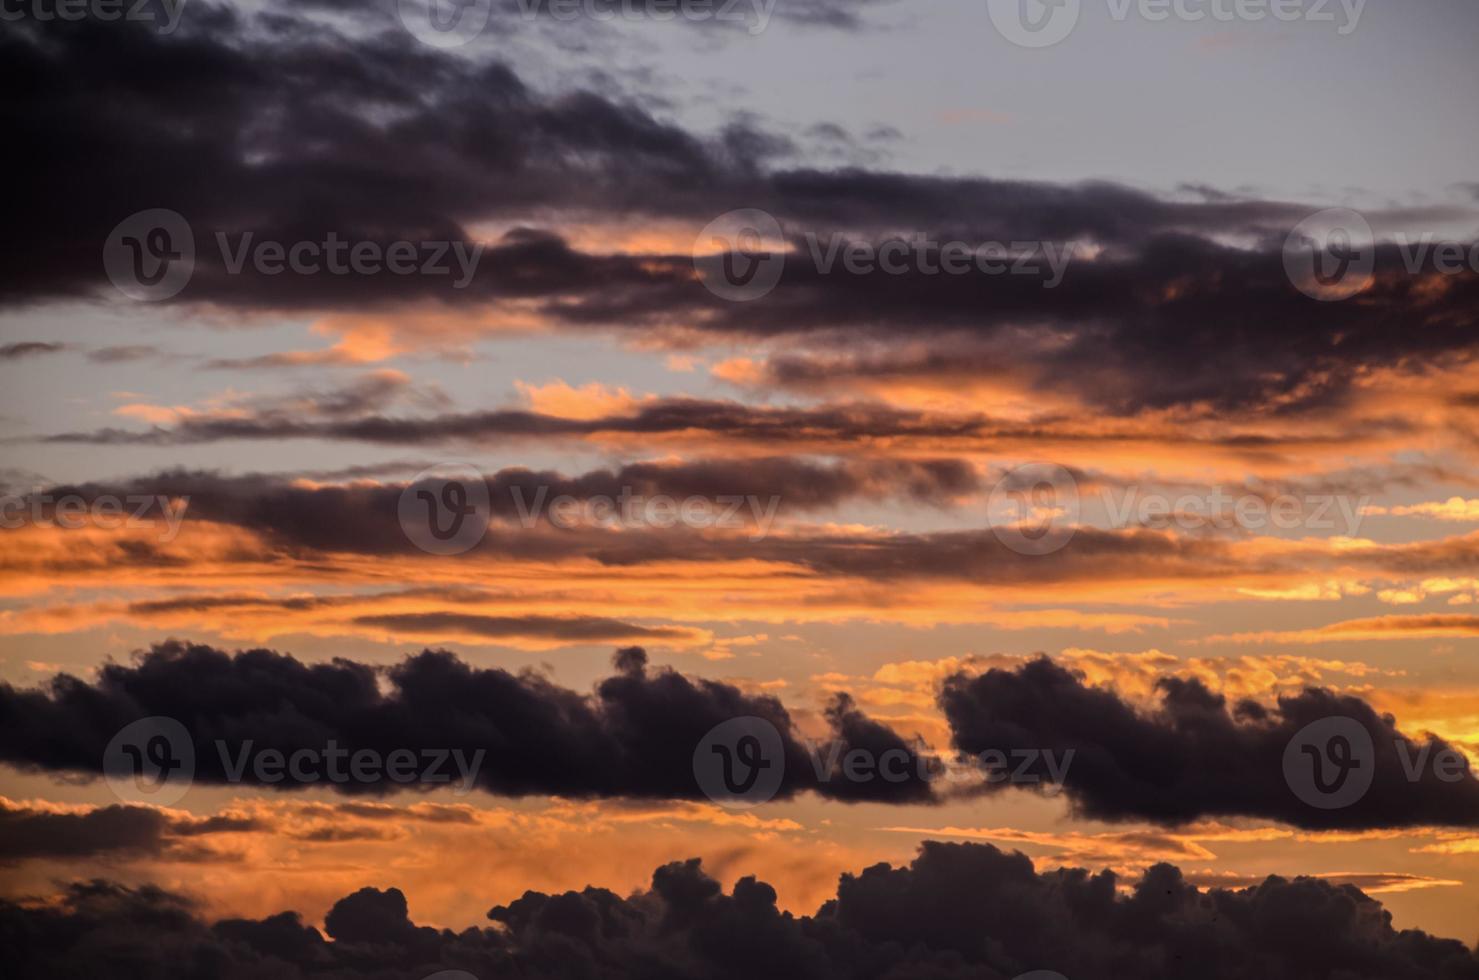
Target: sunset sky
x=1264, y=507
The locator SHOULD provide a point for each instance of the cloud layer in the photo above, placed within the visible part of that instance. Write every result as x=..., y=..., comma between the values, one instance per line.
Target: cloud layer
x=959, y=910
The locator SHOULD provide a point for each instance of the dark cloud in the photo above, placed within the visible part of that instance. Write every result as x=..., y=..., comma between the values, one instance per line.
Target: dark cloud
x=958, y=911
x=1195, y=756
x=124, y=354
x=28, y=832
x=298, y=523
x=729, y=420
x=30, y=348
x=301, y=523
x=100, y=355
x=560, y=629
x=634, y=736
x=364, y=517
x=281, y=127
x=578, y=629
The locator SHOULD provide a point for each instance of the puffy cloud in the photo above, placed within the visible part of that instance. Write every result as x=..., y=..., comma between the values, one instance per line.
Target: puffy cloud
x=520, y=734
x=1193, y=756
x=958, y=910
x=33, y=830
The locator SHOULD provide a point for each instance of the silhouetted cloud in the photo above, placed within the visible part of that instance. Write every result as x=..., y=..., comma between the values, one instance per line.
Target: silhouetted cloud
x=957, y=911
x=1195, y=756
x=635, y=736
x=29, y=832
x=30, y=348
x=277, y=126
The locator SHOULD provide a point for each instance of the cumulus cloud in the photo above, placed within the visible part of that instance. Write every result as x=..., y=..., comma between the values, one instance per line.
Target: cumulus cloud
x=634, y=736
x=29, y=831
x=1195, y=756
x=957, y=911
